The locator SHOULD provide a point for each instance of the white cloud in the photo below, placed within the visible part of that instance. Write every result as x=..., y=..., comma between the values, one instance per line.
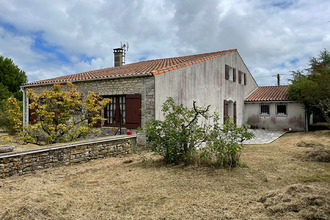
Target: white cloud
x=272, y=36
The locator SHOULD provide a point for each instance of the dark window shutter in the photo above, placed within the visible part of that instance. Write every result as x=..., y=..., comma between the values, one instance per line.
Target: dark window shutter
x=239, y=76
x=226, y=72
x=133, y=111
x=234, y=75
x=97, y=124
x=244, y=79
x=235, y=114
x=32, y=116
x=225, y=110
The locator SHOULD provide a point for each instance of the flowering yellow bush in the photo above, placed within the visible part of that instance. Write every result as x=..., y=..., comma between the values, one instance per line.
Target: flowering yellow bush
x=62, y=116
x=7, y=138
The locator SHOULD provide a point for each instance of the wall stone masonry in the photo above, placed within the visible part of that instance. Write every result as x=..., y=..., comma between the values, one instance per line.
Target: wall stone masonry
x=66, y=154
x=122, y=86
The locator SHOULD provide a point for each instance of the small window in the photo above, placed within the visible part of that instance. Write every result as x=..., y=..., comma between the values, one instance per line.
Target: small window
x=264, y=109
x=115, y=111
x=231, y=74
x=124, y=110
x=281, y=109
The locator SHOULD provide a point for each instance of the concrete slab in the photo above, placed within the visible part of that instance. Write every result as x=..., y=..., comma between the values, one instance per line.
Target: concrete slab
x=264, y=136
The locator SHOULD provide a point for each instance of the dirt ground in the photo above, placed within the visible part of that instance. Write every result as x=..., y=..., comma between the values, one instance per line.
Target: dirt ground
x=281, y=180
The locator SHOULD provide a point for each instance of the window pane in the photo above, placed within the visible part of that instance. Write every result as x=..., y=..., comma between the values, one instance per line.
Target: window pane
x=281, y=109
x=264, y=109
x=115, y=111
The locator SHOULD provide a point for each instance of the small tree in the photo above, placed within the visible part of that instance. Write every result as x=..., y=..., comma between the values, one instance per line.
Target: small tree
x=184, y=130
x=61, y=115
x=312, y=86
x=177, y=137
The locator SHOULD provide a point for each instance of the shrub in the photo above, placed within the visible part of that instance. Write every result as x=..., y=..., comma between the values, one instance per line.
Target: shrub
x=185, y=130
x=11, y=115
x=225, y=143
x=62, y=116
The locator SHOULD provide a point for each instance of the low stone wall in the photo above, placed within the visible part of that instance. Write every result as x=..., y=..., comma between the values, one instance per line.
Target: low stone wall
x=65, y=154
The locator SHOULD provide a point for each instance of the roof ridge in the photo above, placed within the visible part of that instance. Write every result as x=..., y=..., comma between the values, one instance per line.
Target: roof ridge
x=154, y=67
x=273, y=86
x=269, y=93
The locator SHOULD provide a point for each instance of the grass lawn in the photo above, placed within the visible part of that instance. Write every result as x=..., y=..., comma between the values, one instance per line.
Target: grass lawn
x=281, y=180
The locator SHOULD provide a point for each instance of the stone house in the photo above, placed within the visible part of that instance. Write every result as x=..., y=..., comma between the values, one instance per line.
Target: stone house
x=270, y=107
x=220, y=79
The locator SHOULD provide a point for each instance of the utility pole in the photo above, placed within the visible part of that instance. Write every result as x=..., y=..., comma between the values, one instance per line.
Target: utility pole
x=278, y=79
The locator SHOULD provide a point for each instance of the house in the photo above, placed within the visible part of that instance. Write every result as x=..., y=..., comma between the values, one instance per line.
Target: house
x=220, y=79
x=270, y=107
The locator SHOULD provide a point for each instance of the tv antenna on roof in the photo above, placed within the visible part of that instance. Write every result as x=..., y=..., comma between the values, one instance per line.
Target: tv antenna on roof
x=124, y=47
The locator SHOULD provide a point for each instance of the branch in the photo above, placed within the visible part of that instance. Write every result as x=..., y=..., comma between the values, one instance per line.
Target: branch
x=196, y=114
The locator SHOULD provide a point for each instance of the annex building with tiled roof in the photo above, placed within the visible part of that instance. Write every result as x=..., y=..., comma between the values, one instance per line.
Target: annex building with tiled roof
x=220, y=79
x=270, y=107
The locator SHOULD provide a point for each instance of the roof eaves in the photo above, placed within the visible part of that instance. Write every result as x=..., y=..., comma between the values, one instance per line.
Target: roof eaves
x=84, y=80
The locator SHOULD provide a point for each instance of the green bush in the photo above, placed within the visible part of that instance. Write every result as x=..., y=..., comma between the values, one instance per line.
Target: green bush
x=11, y=115
x=185, y=130
x=225, y=143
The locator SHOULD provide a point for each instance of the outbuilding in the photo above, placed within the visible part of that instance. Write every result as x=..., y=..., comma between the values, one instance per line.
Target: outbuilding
x=270, y=107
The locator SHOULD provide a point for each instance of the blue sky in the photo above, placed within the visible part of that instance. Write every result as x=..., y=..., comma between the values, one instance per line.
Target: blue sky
x=52, y=38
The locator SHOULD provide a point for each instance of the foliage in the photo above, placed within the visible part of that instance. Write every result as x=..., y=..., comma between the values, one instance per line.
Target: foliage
x=11, y=115
x=312, y=86
x=177, y=136
x=185, y=130
x=225, y=143
x=61, y=115
x=11, y=78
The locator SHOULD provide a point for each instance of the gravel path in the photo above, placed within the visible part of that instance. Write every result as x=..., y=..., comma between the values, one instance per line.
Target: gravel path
x=264, y=136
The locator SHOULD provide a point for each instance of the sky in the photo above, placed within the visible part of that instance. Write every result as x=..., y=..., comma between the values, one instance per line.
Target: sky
x=48, y=38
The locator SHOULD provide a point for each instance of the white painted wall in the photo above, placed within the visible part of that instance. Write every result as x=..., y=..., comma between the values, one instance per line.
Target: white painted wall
x=205, y=83
x=294, y=119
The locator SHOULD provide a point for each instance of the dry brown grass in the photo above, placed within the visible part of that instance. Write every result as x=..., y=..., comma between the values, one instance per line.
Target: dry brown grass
x=279, y=183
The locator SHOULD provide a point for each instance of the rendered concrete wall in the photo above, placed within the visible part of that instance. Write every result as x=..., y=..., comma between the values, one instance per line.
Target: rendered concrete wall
x=205, y=83
x=294, y=119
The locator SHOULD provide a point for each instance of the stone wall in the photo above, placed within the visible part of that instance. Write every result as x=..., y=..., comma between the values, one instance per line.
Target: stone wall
x=65, y=154
x=120, y=86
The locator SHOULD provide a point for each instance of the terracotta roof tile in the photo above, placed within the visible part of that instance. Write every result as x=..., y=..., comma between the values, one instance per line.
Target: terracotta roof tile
x=140, y=68
x=269, y=93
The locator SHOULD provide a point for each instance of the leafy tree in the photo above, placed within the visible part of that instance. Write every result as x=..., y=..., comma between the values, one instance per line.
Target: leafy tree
x=62, y=116
x=312, y=86
x=11, y=78
x=11, y=117
x=185, y=130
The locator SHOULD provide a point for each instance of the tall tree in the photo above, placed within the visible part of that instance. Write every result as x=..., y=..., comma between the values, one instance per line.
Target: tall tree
x=11, y=77
x=312, y=86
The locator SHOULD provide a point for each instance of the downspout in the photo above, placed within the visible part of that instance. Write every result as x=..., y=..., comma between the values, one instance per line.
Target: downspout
x=307, y=119
x=24, y=107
